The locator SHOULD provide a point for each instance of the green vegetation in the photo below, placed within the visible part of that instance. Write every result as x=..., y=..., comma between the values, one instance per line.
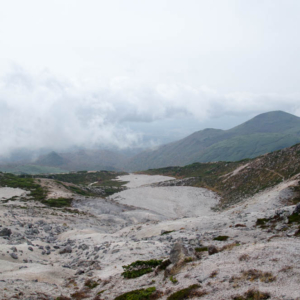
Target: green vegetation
x=30, y=169
x=254, y=274
x=141, y=294
x=91, y=284
x=294, y=218
x=254, y=175
x=22, y=182
x=272, y=222
x=185, y=293
x=103, y=179
x=201, y=249
x=221, y=238
x=164, y=265
x=59, y=202
x=263, y=134
x=140, y=267
x=252, y=295
x=188, y=259
x=261, y=222
x=173, y=279
x=167, y=232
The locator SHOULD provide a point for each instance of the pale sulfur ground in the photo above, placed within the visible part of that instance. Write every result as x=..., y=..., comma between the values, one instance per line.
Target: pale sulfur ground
x=137, y=180
x=7, y=192
x=279, y=255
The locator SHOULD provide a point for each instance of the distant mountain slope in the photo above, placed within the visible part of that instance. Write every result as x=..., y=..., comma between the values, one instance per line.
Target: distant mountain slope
x=84, y=160
x=264, y=133
x=52, y=159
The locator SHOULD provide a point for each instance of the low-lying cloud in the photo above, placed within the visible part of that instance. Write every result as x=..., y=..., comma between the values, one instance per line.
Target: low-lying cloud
x=43, y=111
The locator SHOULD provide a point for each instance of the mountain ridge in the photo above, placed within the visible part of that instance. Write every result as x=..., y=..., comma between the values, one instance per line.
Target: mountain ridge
x=264, y=133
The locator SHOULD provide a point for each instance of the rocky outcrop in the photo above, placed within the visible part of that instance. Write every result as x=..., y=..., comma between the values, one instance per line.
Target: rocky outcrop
x=5, y=232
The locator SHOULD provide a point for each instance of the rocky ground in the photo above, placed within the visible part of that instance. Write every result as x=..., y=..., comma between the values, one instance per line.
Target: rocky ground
x=78, y=252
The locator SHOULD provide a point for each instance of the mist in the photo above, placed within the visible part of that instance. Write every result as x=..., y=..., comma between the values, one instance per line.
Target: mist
x=140, y=74
x=44, y=111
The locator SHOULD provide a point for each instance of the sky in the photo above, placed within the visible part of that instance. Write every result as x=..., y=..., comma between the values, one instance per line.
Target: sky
x=95, y=73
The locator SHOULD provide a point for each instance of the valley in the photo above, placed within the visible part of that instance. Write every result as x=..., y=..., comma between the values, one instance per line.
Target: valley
x=73, y=238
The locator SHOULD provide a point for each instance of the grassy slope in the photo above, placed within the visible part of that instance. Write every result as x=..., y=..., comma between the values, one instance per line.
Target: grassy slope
x=104, y=179
x=259, y=174
x=264, y=133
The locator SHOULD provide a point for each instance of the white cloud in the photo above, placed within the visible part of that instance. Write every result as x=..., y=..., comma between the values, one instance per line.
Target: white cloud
x=43, y=111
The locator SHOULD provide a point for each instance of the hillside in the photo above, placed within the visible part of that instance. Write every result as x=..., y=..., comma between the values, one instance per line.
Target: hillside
x=264, y=133
x=155, y=237
x=84, y=160
x=234, y=181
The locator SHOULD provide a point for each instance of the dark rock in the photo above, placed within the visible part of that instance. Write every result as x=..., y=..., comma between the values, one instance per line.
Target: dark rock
x=212, y=250
x=67, y=249
x=79, y=272
x=14, y=255
x=178, y=253
x=31, y=231
x=14, y=249
x=66, y=266
x=41, y=247
x=83, y=247
x=47, y=228
x=297, y=209
x=5, y=232
x=40, y=222
x=30, y=248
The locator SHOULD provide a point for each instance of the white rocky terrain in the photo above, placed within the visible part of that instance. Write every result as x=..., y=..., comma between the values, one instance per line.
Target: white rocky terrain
x=78, y=252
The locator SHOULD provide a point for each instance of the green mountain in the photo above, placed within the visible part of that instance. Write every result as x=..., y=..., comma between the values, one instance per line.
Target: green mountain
x=52, y=159
x=84, y=160
x=264, y=133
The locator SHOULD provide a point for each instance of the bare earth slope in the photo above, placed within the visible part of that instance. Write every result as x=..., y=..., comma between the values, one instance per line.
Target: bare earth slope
x=79, y=252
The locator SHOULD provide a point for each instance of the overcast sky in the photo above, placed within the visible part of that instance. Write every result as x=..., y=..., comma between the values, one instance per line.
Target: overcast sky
x=118, y=72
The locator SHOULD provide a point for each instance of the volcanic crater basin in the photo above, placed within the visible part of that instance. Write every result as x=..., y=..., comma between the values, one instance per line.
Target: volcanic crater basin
x=171, y=202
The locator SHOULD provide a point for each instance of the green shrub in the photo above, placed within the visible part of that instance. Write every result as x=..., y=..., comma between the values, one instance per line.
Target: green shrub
x=140, y=267
x=164, y=265
x=201, y=249
x=141, y=294
x=167, y=232
x=294, y=218
x=221, y=238
x=91, y=284
x=184, y=293
x=252, y=295
x=59, y=202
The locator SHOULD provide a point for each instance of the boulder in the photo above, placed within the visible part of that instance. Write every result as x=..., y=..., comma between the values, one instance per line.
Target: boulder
x=14, y=255
x=178, y=253
x=67, y=249
x=212, y=249
x=83, y=247
x=297, y=209
x=5, y=232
